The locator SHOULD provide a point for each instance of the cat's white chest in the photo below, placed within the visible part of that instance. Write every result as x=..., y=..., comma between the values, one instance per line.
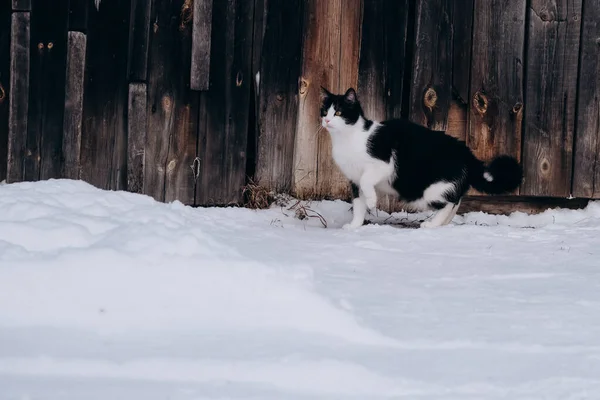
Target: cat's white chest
x=351, y=156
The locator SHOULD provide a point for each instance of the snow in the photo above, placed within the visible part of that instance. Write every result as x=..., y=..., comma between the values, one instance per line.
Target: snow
x=111, y=295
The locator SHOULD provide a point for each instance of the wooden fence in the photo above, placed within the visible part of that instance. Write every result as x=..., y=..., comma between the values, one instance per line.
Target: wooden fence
x=187, y=99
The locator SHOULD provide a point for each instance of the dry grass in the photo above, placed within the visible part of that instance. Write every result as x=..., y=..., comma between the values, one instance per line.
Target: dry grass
x=257, y=197
x=303, y=212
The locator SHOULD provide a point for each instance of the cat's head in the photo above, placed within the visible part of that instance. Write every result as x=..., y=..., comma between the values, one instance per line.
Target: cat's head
x=339, y=111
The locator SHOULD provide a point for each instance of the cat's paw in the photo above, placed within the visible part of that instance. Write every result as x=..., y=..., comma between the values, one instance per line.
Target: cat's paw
x=428, y=224
x=351, y=226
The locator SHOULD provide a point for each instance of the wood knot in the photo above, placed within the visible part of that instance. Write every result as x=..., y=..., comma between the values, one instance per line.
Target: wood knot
x=544, y=16
x=40, y=46
x=545, y=166
x=430, y=98
x=166, y=102
x=239, y=79
x=279, y=97
x=480, y=102
x=517, y=108
x=303, y=86
x=171, y=166
x=50, y=46
x=2, y=94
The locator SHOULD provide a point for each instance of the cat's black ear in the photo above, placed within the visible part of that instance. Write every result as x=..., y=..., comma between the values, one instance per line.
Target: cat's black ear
x=324, y=94
x=350, y=96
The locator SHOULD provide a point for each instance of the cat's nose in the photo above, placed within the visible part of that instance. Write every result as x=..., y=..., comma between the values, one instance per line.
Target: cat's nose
x=327, y=120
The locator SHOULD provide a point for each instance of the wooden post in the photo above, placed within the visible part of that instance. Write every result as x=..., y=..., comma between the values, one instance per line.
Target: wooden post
x=5, y=28
x=138, y=39
x=327, y=63
x=278, y=93
x=73, y=118
x=136, y=136
x=431, y=89
x=496, y=102
x=225, y=108
x=172, y=108
x=104, y=134
x=201, y=43
x=553, y=49
x=19, y=95
x=49, y=27
x=586, y=176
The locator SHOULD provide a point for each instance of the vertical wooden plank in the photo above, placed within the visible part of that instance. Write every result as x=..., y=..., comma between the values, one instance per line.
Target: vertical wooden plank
x=73, y=117
x=278, y=94
x=586, y=174
x=138, y=40
x=78, y=15
x=49, y=26
x=462, y=25
x=382, y=63
x=172, y=107
x=496, y=109
x=21, y=5
x=431, y=89
x=200, y=72
x=314, y=172
x=226, y=105
x=136, y=136
x=19, y=95
x=104, y=134
x=552, y=63
x=5, y=28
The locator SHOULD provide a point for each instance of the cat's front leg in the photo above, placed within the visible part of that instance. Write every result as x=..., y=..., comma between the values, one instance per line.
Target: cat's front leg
x=367, y=187
x=359, y=209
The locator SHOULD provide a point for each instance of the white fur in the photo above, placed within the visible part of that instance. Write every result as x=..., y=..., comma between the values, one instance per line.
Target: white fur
x=488, y=177
x=349, y=150
x=97, y=3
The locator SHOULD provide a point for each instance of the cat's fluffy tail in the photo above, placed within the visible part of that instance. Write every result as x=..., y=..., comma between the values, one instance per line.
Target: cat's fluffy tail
x=502, y=175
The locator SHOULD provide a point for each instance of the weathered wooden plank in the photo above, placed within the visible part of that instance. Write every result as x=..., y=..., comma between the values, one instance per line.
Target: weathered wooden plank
x=431, y=89
x=78, y=15
x=137, y=123
x=382, y=58
x=73, y=117
x=172, y=108
x=18, y=95
x=552, y=62
x=138, y=40
x=278, y=94
x=49, y=27
x=5, y=28
x=227, y=105
x=315, y=174
x=104, y=134
x=21, y=5
x=496, y=109
x=201, y=44
x=382, y=62
x=586, y=176
x=462, y=25
x=505, y=205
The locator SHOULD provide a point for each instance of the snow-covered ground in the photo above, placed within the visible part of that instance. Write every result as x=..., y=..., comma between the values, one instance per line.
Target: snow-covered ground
x=110, y=295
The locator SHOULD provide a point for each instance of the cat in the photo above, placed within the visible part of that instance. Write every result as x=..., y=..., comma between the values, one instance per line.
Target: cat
x=426, y=169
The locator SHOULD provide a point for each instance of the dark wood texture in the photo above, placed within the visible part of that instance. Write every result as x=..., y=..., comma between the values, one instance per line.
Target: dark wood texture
x=462, y=24
x=136, y=136
x=78, y=14
x=104, y=135
x=201, y=44
x=510, y=204
x=5, y=28
x=382, y=62
x=18, y=95
x=226, y=106
x=49, y=26
x=73, y=117
x=172, y=108
x=431, y=89
x=330, y=59
x=586, y=174
x=21, y=5
x=496, y=103
x=138, y=39
x=278, y=94
x=554, y=32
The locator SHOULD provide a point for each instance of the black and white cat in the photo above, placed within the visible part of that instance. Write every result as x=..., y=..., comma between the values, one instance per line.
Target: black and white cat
x=426, y=169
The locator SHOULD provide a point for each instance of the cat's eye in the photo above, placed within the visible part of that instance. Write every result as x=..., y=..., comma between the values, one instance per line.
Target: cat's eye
x=338, y=113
